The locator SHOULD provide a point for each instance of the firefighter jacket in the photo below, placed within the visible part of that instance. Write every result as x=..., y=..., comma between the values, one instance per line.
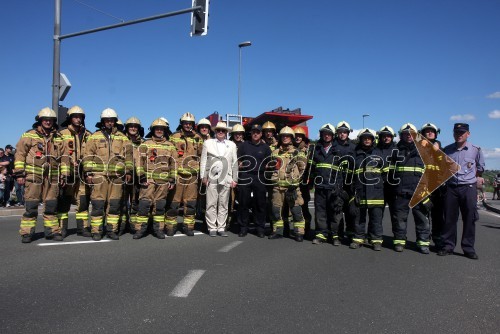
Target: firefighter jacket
x=368, y=182
x=108, y=154
x=189, y=146
x=345, y=151
x=325, y=170
x=38, y=155
x=289, y=165
x=155, y=161
x=408, y=170
x=136, y=142
x=73, y=149
x=386, y=152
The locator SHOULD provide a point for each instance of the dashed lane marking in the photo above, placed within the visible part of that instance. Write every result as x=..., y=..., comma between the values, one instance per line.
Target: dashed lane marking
x=187, y=284
x=227, y=248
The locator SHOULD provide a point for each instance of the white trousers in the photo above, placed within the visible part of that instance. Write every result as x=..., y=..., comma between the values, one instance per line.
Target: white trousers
x=217, y=206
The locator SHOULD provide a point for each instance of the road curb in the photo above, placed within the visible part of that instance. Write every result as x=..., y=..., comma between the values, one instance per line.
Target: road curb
x=490, y=207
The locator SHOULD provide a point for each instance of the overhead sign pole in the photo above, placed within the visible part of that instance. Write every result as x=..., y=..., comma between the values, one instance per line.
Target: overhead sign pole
x=56, y=71
x=58, y=37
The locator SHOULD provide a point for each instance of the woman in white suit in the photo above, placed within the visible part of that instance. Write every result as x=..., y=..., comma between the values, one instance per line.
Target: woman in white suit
x=219, y=172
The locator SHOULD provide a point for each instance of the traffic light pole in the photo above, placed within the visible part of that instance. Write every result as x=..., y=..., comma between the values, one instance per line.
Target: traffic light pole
x=58, y=38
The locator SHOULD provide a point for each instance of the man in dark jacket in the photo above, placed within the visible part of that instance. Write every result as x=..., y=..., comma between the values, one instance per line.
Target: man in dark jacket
x=252, y=157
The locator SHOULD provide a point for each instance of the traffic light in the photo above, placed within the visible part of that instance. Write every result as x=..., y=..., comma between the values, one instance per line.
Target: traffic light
x=199, y=18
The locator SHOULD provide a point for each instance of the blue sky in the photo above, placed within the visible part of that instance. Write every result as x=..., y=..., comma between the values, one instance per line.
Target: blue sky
x=399, y=61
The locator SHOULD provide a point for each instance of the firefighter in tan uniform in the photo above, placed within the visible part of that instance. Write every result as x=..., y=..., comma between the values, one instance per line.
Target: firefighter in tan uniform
x=130, y=201
x=289, y=163
x=268, y=135
x=75, y=191
x=204, y=129
x=188, y=145
x=155, y=167
x=37, y=167
x=107, y=165
x=302, y=143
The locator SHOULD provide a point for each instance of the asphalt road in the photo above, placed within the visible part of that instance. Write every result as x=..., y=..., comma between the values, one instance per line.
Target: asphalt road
x=245, y=285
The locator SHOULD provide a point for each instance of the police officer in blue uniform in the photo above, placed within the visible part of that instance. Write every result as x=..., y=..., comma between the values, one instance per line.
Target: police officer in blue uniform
x=461, y=193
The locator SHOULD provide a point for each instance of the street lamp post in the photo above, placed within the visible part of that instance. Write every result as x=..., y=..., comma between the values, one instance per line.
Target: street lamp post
x=364, y=115
x=241, y=45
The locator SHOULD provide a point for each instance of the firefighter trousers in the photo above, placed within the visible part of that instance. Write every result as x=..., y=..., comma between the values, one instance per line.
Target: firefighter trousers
x=280, y=198
x=47, y=191
x=399, y=219
x=328, y=213
x=77, y=193
x=186, y=192
x=375, y=229
x=105, y=191
x=152, y=200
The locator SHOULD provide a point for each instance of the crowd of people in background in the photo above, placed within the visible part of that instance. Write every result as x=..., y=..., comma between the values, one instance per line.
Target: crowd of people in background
x=147, y=182
x=11, y=192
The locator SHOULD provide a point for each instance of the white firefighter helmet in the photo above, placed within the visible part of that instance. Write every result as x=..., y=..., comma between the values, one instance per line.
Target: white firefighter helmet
x=45, y=113
x=327, y=128
x=430, y=126
x=367, y=132
x=407, y=127
x=109, y=113
x=343, y=125
x=204, y=121
x=387, y=130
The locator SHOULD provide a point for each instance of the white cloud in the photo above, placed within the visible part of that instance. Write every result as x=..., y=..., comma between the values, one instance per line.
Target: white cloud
x=495, y=95
x=465, y=117
x=491, y=153
x=354, y=134
x=494, y=114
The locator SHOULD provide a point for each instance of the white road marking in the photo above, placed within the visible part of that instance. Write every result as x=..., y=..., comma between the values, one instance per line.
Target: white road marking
x=187, y=284
x=71, y=243
x=227, y=248
x=183, y=235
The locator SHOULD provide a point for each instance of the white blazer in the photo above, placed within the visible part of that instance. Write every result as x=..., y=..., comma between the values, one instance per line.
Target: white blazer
x=216, y=167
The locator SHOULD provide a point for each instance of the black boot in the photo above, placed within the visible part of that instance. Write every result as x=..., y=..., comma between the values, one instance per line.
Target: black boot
x=58, y=237
x=158, y=230
x=113, y=236
x=170, y=230
x=299, y=237
x=96, y=236
x=81, y=230
x=64, y=227
x=26, y=238
x=140, y=232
